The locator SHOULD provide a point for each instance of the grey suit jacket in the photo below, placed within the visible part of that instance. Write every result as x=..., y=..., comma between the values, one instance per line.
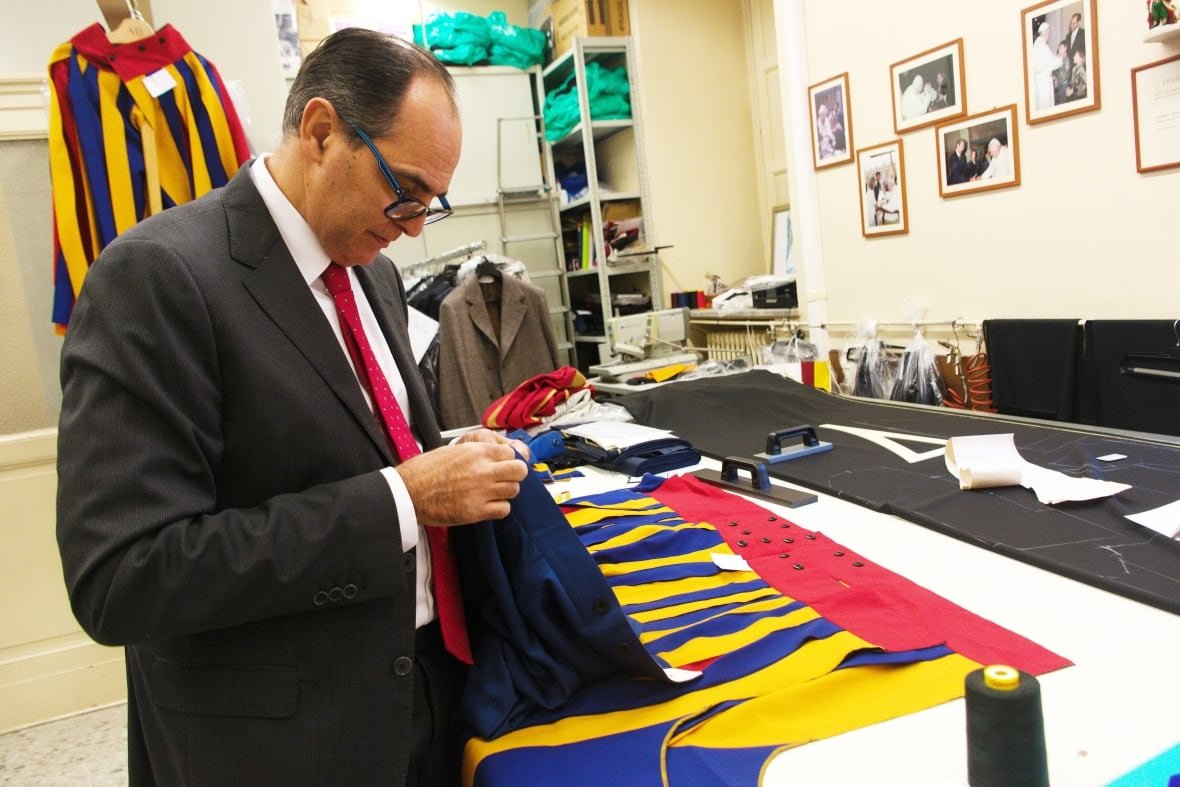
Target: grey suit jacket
x=477, y=366
x=221, y=511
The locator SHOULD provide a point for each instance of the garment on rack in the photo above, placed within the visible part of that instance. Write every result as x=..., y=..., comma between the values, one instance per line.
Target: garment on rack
x=1034, y=366
x=889, y=457
x=477, y=363
x=125, y=118
x=1108, y=397
x=429, y=292
x=790, y=648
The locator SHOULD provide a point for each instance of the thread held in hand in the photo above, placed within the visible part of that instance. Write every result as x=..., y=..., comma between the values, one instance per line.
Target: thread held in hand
x=1005, y=729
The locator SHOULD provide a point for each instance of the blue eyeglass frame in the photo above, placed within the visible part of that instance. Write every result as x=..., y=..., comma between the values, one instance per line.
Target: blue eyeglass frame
x=403, y=198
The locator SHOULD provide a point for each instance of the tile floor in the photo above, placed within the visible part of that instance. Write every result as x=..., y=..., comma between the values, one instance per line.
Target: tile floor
x=87, y=749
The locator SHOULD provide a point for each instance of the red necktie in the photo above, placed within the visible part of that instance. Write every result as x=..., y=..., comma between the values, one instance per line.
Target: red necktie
x=447, y=595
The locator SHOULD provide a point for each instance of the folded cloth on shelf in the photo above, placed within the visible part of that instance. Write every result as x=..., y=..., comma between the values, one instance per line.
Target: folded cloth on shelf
x=534, y=399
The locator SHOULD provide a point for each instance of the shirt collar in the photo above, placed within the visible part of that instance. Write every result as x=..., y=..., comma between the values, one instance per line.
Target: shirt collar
x=305, y=248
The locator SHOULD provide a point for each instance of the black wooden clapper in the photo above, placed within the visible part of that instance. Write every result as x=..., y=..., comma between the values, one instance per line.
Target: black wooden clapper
x=760, y=485
x=1162, y=365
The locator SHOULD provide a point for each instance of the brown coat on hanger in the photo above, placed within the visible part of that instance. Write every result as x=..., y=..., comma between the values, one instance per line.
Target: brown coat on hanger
x=477, y=365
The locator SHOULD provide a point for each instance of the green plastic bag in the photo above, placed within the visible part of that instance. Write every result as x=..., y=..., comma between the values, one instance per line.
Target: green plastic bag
x=457, y=38
x=607, y=90
x=513, y=45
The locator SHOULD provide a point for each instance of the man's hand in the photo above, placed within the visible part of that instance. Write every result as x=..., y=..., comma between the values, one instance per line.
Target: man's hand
x=463, y=483
x=488, y=436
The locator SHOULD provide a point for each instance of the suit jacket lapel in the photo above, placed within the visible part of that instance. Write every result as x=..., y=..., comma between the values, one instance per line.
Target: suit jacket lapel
x=512, y=313
x=477, y=310
x=278, y=289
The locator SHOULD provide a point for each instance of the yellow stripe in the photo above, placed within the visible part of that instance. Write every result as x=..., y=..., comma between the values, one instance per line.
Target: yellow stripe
x=813, y=659
x=763, y=605
x=639, y=533
x=848, y=699
x=65, y=188
x=701, y=648
x=173, y=173
x=674, y=610
x=114, y=141
x=656, y=591
x=196, y=146
x=582, y=514
x=630, y=567
x=217, y=117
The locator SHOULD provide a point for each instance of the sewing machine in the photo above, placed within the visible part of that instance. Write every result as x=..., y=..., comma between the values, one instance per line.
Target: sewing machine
x=645, y=342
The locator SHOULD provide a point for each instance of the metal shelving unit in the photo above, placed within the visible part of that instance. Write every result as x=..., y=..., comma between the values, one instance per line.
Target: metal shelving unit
x=613, y=153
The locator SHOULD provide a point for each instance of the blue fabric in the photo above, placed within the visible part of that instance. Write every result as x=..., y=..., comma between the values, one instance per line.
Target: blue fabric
x=543, y=620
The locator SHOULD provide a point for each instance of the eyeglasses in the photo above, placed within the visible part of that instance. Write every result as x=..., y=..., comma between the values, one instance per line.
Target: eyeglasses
x=405, y=207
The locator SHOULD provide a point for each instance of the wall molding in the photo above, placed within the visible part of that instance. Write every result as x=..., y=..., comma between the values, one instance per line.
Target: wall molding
x=49, y=667
x=23, y=112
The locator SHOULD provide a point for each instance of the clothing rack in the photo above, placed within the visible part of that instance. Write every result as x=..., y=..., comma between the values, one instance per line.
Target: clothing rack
x=462, y=251
x=967, y=325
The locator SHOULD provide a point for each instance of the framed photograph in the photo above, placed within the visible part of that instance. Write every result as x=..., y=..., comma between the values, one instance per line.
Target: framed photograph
x=1060, y=46
x=978, y=153
x=929, y=87
x=882, y=190
x=1155, y=100
x=782, y=241
x=831, y=122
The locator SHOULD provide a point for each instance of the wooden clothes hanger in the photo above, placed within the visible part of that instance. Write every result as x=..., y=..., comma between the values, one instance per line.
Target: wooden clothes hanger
x=125, y=21
x=1165, y=365
x=127, y=25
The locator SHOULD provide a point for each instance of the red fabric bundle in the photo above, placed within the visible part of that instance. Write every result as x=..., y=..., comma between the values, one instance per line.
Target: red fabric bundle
x=534, y=399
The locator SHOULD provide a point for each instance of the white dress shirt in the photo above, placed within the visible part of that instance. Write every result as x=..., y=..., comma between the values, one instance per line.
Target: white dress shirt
x=311, y=260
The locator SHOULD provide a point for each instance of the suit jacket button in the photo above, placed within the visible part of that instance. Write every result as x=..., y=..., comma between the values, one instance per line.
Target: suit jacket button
x=320, y=598
x=409, y=560
x=402, y=666
x=335, y=594
x=623, y=648
x=601, y=606
x=350, y=590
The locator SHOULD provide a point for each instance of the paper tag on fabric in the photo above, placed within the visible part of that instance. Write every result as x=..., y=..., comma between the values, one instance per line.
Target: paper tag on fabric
x=729, y=562
x=159, y=83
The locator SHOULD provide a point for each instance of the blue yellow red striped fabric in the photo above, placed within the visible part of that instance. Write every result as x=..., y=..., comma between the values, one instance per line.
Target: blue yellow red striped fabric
x=131, y=126
x=775, y=672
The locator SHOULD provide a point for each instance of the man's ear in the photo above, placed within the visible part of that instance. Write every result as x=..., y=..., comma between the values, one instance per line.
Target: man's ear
x=316, y=128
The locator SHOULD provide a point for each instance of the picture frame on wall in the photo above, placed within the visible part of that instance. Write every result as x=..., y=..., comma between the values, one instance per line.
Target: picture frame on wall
x=883, y=207
x=929, y=87
x=989, y=146
x=1155, y=102
x=831, y=122
x=1060, y=45
x=782, y=241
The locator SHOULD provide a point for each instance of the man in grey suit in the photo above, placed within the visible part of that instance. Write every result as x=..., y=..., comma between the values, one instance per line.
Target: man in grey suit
x=229, y=508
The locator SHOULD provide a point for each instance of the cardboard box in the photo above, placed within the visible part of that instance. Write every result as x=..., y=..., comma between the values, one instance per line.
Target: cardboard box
x=618, y=18
x=576, y=19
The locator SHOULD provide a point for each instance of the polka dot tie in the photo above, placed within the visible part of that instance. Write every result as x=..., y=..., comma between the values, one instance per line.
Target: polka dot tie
x=447, y=596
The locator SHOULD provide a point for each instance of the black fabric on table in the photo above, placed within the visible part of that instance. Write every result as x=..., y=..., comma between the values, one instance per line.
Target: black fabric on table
x=1091, y=542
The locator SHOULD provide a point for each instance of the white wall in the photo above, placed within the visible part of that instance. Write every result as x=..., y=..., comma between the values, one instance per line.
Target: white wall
x=699, y=135
x=1083, y=236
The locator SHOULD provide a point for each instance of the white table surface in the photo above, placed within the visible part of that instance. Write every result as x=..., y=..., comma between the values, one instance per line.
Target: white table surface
x=1117, y=707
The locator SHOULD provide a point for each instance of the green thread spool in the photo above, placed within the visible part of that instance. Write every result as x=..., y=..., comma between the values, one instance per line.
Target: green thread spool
x=1005, y=729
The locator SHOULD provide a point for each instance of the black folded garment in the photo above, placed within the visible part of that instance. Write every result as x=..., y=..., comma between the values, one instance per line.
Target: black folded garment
x=652, y=456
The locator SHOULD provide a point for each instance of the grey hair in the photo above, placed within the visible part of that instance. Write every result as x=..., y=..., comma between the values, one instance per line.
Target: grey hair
x=364, y=75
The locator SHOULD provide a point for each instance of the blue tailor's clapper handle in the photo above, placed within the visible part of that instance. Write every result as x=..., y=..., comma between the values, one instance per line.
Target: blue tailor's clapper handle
x=774, y=444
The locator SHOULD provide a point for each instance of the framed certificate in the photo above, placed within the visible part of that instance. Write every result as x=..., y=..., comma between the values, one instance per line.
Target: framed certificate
x=1155, y=99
